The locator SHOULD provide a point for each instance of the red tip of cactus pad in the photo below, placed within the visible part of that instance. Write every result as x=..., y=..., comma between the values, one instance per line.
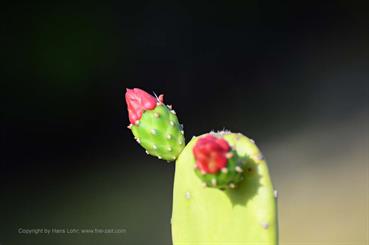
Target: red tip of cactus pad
x=210, y=154
x=137, y=102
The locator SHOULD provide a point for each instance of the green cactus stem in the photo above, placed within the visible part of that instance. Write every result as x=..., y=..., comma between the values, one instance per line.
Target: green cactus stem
x=154, y=124
x=159, y=132
x=243, y=215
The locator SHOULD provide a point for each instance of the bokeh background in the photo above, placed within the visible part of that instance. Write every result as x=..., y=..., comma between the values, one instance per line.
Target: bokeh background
x=292, y=75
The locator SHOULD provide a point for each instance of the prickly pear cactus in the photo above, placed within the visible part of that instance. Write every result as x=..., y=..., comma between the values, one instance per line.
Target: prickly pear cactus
x=245, y=214
x=222, y=190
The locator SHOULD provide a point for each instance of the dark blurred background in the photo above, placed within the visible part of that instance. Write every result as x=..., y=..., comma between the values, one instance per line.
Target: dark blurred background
x=291, y=75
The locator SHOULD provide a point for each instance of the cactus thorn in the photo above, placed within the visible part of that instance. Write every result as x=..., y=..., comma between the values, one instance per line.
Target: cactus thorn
x=159, y=157
x=171, y=123
x=154, y=147
x=147, y=152
x=138, y=140
x=182, y=132
x=161, y=98
x=156, y=114
x=129, y=126
x=180, y=142
x=169, y=136
x=173, y=111
x=170, y=149
x=170, y=106
x=137, y=122
x=153, y=131
x=238, y=169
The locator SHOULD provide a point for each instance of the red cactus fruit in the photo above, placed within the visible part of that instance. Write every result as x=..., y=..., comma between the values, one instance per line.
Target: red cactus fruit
x=210, y=154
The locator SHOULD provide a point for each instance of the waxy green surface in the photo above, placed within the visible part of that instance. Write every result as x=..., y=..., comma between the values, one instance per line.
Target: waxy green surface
x=159, y=132
x=209, y=216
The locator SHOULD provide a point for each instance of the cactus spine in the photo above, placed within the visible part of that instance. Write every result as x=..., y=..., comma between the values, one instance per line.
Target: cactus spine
x=222, y=190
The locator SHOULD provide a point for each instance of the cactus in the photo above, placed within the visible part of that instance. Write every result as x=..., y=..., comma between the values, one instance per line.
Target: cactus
x=222, y=190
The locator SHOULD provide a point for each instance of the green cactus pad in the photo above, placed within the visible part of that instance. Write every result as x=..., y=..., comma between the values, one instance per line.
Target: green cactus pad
x=159, y=132
x=244, y=215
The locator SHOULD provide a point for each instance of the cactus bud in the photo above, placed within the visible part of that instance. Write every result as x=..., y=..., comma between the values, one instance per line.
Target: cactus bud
x=210, y=154
x=137, y=102
x=154, y=126
x=216, y=163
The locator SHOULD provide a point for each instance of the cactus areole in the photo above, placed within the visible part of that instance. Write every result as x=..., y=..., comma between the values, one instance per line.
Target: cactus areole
x=222, y=190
